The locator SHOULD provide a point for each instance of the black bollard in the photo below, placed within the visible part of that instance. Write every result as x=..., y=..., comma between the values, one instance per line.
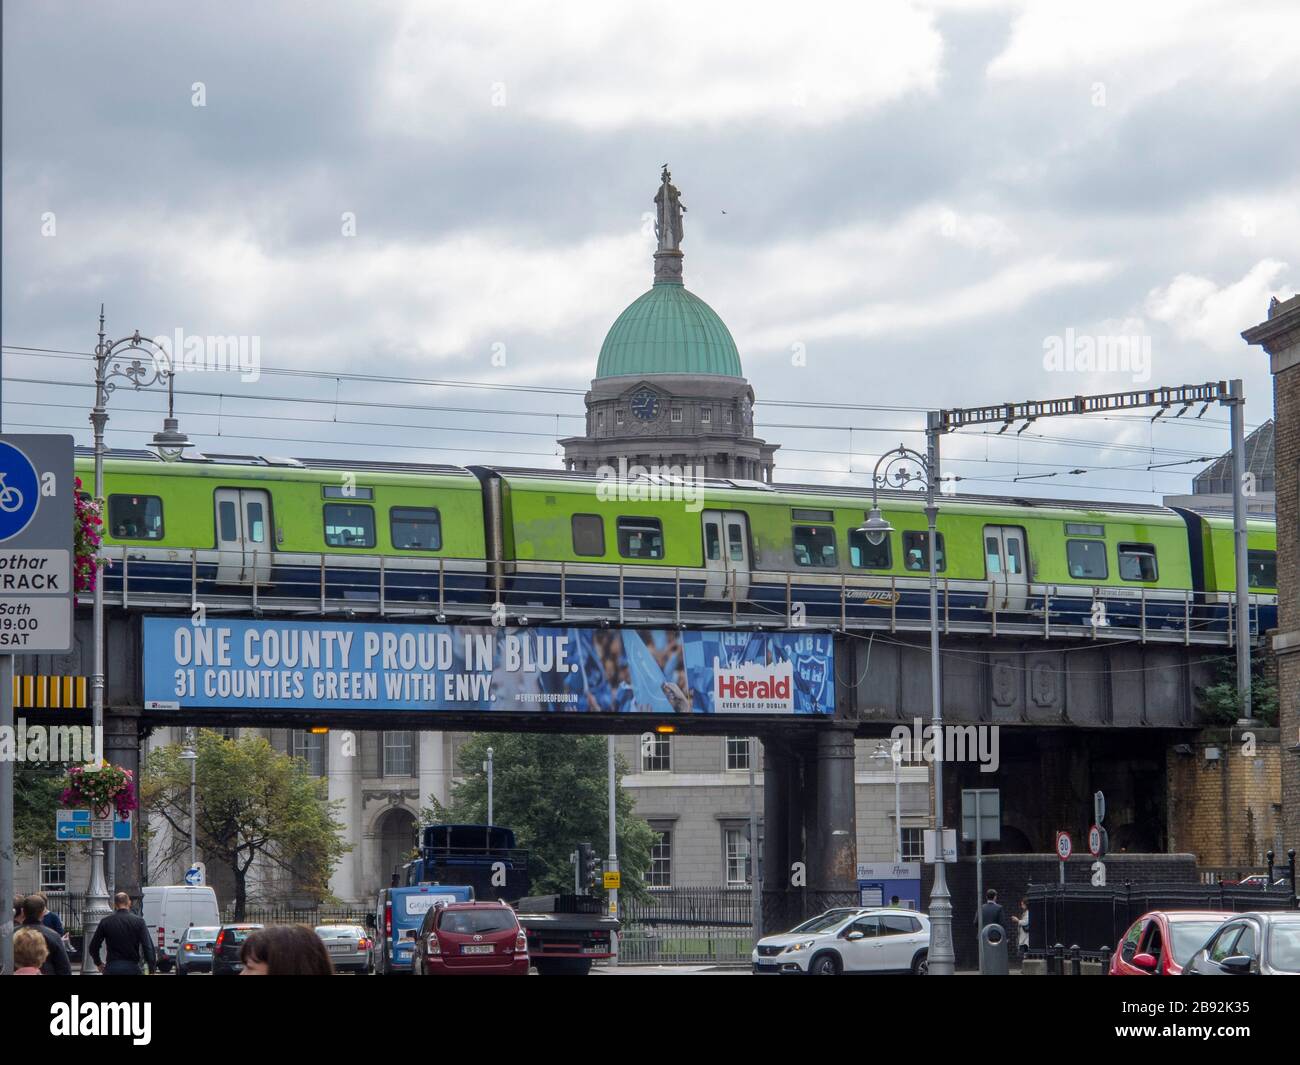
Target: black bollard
x=1105, y=960
x=1076, y=961
x=1058, y=960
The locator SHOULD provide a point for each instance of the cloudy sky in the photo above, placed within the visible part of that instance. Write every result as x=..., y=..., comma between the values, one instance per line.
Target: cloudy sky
x=895, y=205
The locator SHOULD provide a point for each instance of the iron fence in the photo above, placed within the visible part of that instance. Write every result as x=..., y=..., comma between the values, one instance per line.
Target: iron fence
x=683, y=945
x=698, y=906
x=316, y=915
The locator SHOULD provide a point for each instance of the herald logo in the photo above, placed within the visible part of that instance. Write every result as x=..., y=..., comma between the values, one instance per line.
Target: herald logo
x=752, y=684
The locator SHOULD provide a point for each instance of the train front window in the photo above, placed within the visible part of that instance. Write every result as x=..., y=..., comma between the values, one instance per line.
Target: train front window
x=640, y=538
x=349, y=525
x=1086, y=559
x=135, y=517
x=814, y=545
x=1261, y=569
x=415, y=528
x=1137, y=562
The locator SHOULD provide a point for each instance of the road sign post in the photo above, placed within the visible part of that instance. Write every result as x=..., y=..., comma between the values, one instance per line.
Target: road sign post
x=1064, y=848
x=36, y=514
x=981, y=821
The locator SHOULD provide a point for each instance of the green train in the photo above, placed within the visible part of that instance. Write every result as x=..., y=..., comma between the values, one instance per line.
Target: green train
x=468, y=538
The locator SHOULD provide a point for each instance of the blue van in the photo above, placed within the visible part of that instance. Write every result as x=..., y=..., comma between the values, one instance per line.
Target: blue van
x=397, y=917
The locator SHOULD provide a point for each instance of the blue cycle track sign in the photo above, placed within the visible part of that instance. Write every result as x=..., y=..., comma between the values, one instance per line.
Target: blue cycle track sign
x=37, y=494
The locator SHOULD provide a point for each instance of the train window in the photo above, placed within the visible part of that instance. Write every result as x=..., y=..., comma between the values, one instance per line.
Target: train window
x=814, y=545
x=228, y=516
x=993, y=555
x=1261, y=569
x=735, y=543
x=256, y=522
x=1086, y=559
x=588, y=535
x=415, y=528
x=712, y=542
x=1137, y=562
x=916, y=552
x=349, y=525
x=1073, y=528
x=135, y=517
x=863, y=554
x=640, y=538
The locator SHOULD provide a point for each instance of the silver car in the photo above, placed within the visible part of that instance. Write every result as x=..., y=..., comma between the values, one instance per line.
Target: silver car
x=194, y=952
x=350, y=947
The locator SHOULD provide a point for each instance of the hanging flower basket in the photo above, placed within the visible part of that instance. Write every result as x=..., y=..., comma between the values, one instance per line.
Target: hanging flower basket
x=105, y=788
x=88, y=529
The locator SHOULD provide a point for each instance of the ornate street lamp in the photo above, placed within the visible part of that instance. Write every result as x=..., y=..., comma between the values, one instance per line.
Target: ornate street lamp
x=900, y=468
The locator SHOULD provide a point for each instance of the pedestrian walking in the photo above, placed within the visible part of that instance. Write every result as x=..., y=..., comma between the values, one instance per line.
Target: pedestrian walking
x=1022, y=927
x=51, y=919
x=56, y=962
x=285, y=950
x=127, y=937
x=30, y=952
x=991, y=912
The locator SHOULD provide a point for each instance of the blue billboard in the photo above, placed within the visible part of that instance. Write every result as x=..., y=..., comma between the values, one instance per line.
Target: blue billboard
x=325, y=665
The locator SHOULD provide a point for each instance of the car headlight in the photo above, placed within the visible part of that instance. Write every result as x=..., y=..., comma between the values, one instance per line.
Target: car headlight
x=799, y=946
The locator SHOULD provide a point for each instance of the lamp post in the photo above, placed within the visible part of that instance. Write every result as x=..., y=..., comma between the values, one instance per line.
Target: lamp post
x=892, y=470
x=490, y=770
x=192, y=756
x=141, y=363
x=881, y=754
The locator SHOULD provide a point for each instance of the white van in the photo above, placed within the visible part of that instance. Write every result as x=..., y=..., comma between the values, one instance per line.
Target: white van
x=169, y=911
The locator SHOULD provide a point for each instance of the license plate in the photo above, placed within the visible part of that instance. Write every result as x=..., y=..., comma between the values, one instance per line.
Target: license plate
x=593, y=950
x=340, y=948
x=486, y=948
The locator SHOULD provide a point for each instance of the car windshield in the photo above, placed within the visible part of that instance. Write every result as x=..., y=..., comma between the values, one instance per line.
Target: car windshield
x=240, y=933
x=1284, y=946
x=823, y=923
x=196, y=935
x=471, y=922
x=1189, y=937
x=335, y=931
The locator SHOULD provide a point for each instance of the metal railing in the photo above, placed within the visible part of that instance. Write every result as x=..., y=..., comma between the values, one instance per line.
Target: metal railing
x=317, y=915
x=642, y=594
x=685, y=946
x=719, y=907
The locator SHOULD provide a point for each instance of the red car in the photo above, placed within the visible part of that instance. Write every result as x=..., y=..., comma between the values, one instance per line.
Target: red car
x=470, y=939
x=1161, y=942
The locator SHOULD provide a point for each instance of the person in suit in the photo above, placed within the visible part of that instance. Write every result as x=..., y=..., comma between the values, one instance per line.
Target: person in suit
x=127, y=937
x=991, y=912
x=56, y=962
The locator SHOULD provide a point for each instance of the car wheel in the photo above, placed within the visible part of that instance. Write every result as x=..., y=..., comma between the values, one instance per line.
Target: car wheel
x=921, y=964
x=824, y=965
x=181, y=970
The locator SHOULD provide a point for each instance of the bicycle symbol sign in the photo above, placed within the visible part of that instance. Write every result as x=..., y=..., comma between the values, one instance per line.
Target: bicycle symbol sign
x=20, y=491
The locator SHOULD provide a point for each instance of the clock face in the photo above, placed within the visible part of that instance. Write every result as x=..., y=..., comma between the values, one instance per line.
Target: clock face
x=645, y=405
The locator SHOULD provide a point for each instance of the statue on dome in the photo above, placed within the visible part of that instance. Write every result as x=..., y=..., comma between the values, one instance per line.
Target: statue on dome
x=669, y=207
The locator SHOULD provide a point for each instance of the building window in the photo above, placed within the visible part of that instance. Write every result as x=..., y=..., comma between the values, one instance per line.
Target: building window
x=1137, y=562
x=706, y=415
x=735, y=846
x=54, y=870
x=588, y=534
x=660, y=873
x=814, y=545
x=349, y=525
x=600, y=419
x=310, y=747
x=676, y=414
x=916, y=552
x=135, y=517
x=726, y=416
x=399, y=754
x=415, y=528
x=913, y=845
x=656, y=753
x=738, y=752
x=618, y=417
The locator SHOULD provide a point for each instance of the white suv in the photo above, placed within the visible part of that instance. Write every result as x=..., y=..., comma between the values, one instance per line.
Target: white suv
x=878, y=940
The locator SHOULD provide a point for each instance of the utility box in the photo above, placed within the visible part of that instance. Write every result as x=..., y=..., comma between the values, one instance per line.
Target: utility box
x=993, y=950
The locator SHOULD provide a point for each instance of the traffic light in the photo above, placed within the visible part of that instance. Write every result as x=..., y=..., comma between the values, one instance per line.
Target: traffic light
x=588, y=865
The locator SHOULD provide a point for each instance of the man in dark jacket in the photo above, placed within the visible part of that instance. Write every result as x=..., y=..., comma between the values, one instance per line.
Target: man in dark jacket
x=991, y=912
x=128, y=941
x=56, y=962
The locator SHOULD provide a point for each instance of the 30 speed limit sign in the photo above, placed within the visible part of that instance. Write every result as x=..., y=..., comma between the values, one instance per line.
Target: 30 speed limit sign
x=1064, y=846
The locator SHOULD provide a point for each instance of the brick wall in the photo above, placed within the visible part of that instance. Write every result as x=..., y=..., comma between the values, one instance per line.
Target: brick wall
x=1226, y=812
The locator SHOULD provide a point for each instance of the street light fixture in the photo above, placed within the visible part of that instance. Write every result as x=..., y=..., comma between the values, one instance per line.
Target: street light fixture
x=141, y=363
x=900, y=468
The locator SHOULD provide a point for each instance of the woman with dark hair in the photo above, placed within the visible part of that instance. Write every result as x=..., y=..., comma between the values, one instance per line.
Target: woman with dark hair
x=285, y=950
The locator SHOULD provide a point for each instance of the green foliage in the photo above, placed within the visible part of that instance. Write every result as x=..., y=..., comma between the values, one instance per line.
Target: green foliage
x=553, y=791
x=36, y=800
x=1220, y=704
x=252, y=802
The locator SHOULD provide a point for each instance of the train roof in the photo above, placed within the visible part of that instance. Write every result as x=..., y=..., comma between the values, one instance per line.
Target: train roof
x=278, y=462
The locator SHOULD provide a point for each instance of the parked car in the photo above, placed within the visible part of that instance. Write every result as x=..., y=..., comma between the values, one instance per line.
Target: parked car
x=397, y=917
x=169, y=910
x=195, y=953
x=1160, y=942
x=1251, y=944
x=877, y=940
x=471, y=938
x=225, y=951
x=350, y=947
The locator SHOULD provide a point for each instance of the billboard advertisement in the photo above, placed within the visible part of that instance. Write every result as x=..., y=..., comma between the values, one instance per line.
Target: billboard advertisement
x=325, y=665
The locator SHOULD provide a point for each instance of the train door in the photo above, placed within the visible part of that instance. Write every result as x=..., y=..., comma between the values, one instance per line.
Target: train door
x=726, y=554
x=1007, y=565
x=243, y=535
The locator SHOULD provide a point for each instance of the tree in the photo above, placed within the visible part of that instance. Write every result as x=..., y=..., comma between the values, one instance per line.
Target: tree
x=36, y=801
x=553, y=791
x=1220, y=703
x=252, y=802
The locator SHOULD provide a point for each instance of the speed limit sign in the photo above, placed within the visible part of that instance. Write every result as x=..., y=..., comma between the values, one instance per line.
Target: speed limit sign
x=1064, y=846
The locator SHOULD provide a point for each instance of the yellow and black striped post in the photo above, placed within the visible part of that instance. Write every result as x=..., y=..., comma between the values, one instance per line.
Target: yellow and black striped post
x=41, y=691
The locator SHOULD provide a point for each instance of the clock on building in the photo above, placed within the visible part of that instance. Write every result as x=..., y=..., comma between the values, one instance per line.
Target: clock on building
x=645, y=405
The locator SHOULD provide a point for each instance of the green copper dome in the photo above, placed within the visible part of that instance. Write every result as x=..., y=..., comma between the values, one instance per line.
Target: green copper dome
x=668, y=330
